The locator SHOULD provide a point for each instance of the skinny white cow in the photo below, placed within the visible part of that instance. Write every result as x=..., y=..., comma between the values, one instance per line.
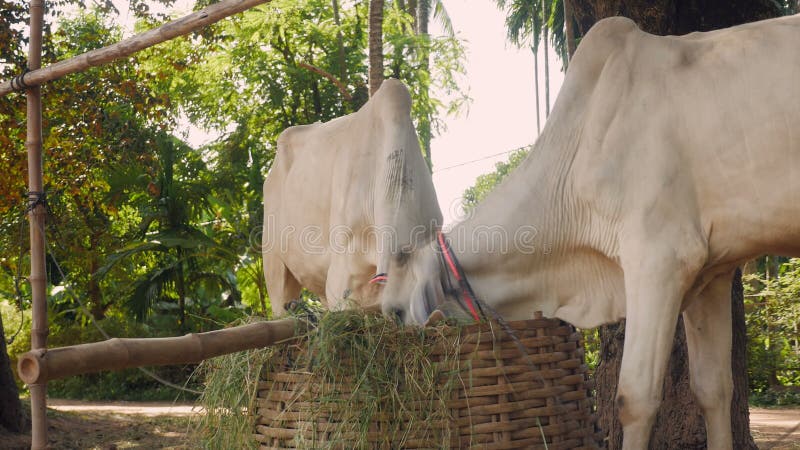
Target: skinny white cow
x=340, y=197
x=667, y=162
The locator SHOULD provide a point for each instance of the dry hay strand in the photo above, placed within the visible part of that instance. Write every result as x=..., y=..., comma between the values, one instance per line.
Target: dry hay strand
x=360, y=380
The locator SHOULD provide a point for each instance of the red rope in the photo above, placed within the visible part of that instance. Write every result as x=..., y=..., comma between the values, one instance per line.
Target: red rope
x=379, y=278
x=470, y=302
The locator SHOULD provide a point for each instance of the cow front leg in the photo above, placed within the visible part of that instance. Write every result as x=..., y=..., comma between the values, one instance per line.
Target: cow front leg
x=654, y=292
x=338, y=286
x=648, y=338
x=709, y=340
x=282, y=286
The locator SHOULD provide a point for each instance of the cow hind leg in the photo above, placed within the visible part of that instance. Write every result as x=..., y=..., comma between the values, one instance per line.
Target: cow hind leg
x=653, y=300
x=282, y=286
x=709, y=340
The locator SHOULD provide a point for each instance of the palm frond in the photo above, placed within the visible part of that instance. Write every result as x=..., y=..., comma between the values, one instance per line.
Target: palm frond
x=149, y=290
x=525, y=23
x=443, y=17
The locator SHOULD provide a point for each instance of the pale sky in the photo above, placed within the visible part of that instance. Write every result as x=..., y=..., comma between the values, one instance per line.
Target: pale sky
x=500, y=81
x=502, y=116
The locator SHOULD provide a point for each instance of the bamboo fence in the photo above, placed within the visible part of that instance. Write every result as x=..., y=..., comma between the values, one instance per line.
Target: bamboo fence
x=30, y=81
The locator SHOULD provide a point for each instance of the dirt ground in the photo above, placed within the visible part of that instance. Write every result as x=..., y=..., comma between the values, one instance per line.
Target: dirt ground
x=777, y=429
x=128, y=425
x=82, y=425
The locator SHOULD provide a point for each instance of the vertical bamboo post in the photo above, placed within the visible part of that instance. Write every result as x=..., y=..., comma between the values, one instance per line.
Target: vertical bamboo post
x=33, y=144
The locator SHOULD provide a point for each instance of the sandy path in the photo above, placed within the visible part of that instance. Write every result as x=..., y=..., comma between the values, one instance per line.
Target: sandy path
x=776, y=428
x=149, y=409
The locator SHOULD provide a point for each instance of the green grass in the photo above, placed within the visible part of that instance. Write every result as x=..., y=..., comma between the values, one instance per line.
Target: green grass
x=386, y=366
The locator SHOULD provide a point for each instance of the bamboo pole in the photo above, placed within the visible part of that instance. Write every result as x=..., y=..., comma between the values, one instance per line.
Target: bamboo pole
x=36, y=219
x=141, y=41
x=40, y=366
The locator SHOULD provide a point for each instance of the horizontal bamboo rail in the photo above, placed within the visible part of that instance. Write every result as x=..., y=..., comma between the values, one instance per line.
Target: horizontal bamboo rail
x=41, y=365
x=127, y=47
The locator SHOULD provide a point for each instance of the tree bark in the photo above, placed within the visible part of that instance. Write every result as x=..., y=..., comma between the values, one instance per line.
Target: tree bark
x=375, y=45
x=674, y=16
x=11, y=416
x=740, y=413
x=341, y=59
x=679, y=423
x=546, y=21
x=536, y=87
x=569, y=29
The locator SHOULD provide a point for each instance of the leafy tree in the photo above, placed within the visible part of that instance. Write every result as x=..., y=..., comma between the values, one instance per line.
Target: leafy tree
x=178, y=261
x=141, y=224
x=533, y=23
x=486, y=182
x=773, y=318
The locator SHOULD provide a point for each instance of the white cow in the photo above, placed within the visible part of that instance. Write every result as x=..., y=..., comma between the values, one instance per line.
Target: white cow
x=666, y=163
x=340, y=197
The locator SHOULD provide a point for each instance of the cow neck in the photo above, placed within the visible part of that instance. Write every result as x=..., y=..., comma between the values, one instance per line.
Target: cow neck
x=525, y=247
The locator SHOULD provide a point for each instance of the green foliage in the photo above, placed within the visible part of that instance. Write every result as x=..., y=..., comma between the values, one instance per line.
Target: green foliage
x=486, y=182
x=17, y=326
x=526, y=21
x=130, y=384
x=773, y=317
x=772, y=397
x=142, y=226
x=125, y=385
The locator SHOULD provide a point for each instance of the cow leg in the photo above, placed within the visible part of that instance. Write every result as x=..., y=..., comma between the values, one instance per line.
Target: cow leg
x=709, y=340
x=338, y=291
x=654, y=291
x=282, y=286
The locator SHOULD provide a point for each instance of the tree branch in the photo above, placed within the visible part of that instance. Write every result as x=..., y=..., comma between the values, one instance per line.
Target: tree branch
x=339, y=85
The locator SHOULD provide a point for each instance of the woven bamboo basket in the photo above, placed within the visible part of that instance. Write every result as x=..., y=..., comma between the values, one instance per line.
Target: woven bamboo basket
x=501, y=399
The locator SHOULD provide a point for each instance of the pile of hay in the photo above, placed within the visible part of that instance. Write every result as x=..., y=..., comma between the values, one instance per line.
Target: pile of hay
x=360, y=380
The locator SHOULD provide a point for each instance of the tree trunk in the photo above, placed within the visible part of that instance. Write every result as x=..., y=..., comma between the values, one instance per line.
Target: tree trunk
x=397, y=58
x=11, y=416
x=341, y=59
x=97, y=306
x=678, y=424
x=546, y=21
x=536, y=83
x=740, y=413
x=375, y=45
x=180, y=286
x=569, y=30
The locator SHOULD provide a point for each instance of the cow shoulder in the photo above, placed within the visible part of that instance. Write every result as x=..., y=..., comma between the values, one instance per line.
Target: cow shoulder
x=392, y=101
x=607, y=35
x=287, y=143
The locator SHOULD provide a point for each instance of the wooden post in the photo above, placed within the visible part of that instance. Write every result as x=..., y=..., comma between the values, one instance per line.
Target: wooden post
x=141, y=41
x=36, y=216
x=40, y=366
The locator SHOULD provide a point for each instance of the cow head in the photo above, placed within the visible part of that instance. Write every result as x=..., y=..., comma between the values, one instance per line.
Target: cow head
x=412, y=290
x=418, y=284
